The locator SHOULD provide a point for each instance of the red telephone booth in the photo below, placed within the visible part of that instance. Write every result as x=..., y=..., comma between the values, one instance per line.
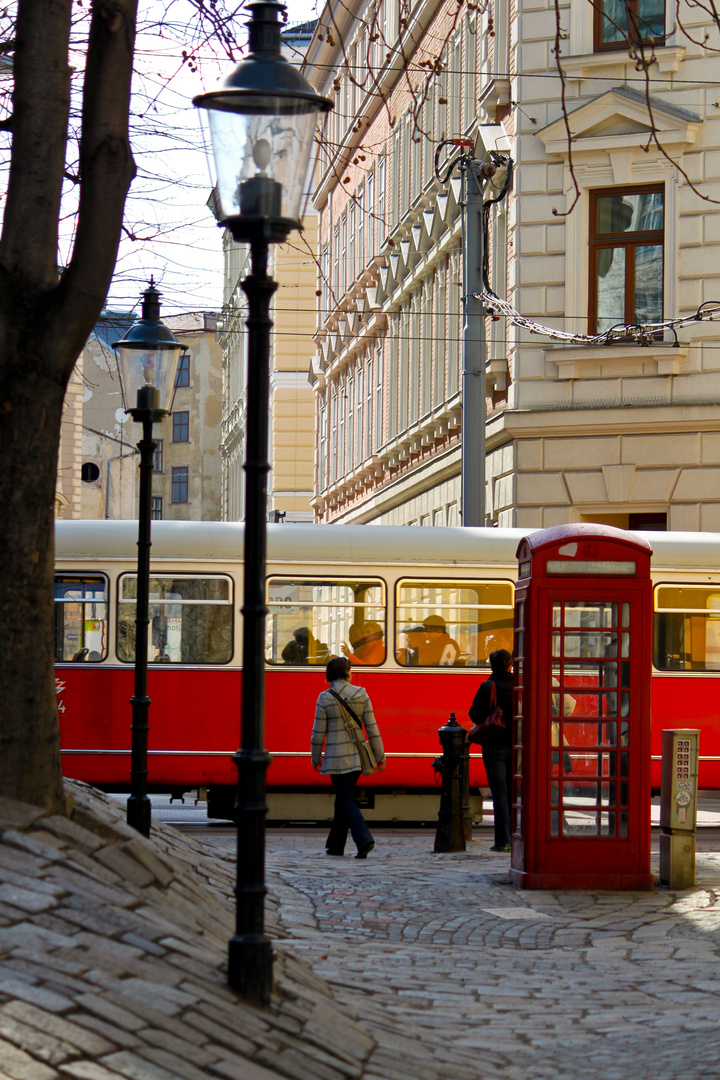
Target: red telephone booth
x=583, y=641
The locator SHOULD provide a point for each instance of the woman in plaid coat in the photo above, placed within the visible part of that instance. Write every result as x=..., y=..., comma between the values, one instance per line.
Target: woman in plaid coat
x=341, y=759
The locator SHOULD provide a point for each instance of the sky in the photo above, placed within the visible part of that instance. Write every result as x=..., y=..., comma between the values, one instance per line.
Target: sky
x=172, y=234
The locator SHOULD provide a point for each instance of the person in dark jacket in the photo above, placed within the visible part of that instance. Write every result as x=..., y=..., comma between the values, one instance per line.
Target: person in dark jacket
x=497, y=748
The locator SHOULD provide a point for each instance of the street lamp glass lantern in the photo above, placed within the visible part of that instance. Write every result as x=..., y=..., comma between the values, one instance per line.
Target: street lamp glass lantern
x=148, y=358
x=262, y=123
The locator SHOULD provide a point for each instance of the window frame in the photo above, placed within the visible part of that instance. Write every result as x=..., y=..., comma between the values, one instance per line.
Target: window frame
x=188, y=575
x=181, y=426
x=158, y=456
x=182, y=376
x=632, y=36
x=449, y=583
x=78, y=575
x=600, y=241
x=687, y=613
x=180, y=481
x=310, y=579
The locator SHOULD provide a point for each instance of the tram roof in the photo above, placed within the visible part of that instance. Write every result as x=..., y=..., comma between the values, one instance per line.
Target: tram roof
x=368, y=544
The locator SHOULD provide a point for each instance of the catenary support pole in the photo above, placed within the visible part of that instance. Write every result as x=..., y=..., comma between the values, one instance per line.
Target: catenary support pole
x=472, y=496
x=250, y=950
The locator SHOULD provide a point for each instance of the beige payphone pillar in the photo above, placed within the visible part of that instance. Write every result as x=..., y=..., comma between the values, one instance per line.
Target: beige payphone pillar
x=678, y=808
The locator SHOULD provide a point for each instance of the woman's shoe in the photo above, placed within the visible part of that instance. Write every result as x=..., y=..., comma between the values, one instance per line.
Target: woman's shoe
x=339, y=854
x=502, y=847
x=365, y=850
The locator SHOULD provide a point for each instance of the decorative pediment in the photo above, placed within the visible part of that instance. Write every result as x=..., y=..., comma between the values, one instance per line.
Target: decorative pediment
x=613, y=122
x=617, y=124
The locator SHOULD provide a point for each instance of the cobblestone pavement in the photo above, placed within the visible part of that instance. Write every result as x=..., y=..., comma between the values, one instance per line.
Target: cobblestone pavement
x=406, y=966
x=473, y=977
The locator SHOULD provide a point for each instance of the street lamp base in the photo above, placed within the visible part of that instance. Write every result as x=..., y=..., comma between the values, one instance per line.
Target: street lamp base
x=250, y=967
x=139, y=813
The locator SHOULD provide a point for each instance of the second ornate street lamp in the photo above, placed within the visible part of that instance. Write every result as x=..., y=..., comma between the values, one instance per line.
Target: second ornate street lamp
x=262, y=125
x=147, y=363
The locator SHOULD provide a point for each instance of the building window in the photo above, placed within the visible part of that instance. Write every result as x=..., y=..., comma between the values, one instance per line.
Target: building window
x=359, y=418
x=380, y=201
x=378, y=410
x=323, y=447
x=370, y=390
x=181, y=427
x=183, y=372
x=351, y=245
x=350, y=423
x=336, y=265
x=343, y=254
x=362, y=257
x=158, y=456
x=156, y=512
x=180, y=484
x=440, y=333
x=334, y=437
x=626, y=257
x=371, y=215
x=324, y=283
x=620, y=23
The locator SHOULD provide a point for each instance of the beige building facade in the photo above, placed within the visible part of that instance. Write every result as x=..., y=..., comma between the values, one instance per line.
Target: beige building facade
x=105, y=460
x=617, y=226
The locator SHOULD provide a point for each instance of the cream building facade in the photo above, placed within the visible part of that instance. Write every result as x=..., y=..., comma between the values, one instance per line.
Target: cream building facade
x=624, y=229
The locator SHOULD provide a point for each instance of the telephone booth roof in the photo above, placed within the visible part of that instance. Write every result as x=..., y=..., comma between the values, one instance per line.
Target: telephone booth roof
x=536, y=541
x=603, y=545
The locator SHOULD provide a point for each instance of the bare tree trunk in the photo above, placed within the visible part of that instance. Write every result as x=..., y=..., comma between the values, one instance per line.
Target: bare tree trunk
x=29, y=742
x=44, y=323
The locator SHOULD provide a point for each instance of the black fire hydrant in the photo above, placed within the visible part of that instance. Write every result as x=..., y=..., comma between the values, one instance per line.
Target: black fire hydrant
x=450, y=835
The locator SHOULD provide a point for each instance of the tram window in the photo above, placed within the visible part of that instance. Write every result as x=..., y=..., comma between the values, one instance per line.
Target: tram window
x=80, y=616
x=313, y=619
x=191, y=619
x=686, y=635
x=452, y=623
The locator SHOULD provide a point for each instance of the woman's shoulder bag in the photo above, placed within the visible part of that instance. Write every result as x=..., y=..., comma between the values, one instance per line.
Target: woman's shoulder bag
x=493, y=722
x=368, y=761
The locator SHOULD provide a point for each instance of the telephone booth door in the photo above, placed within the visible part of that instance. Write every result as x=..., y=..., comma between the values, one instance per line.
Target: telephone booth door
x=581, y=806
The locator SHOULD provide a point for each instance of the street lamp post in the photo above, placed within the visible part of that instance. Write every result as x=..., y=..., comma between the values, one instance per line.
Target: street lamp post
x=262, y=123
x=147, y=362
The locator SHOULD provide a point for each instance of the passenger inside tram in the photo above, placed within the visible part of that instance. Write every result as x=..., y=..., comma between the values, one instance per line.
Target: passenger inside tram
x=429, y=645
x=366, y=643
x=304, y=648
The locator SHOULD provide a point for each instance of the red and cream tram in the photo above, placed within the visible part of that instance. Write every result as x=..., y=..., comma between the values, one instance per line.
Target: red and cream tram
x=418, y=609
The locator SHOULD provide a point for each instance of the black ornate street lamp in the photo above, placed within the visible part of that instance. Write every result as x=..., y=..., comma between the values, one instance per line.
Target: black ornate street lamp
x=147, y=362
x=262, y=125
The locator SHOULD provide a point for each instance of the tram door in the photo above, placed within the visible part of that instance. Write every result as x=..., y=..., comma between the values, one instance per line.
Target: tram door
x=582, y=730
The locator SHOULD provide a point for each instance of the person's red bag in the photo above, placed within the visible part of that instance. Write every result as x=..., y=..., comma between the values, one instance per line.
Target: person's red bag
x=494, y=720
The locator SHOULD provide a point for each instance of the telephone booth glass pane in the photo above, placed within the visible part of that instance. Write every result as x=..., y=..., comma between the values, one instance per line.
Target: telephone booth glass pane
x=590, y=645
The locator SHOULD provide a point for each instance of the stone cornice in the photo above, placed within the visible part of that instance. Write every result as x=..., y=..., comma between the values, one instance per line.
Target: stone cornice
x=618, y=420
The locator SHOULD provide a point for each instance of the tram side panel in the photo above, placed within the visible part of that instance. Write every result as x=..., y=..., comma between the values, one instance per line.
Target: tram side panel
x=195, y=720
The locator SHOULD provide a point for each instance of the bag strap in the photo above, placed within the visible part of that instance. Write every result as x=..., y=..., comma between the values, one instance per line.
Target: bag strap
x=493, y=695
x=349, y=726
x=349, y=708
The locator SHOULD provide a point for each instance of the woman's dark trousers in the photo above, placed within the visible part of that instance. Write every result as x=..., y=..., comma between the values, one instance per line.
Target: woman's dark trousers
x=347, y=815
x=498, y=766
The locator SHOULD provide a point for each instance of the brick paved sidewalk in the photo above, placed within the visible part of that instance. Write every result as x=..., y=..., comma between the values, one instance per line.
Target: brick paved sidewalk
x=407, y=966
x=112, y=956
x=493, y=981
